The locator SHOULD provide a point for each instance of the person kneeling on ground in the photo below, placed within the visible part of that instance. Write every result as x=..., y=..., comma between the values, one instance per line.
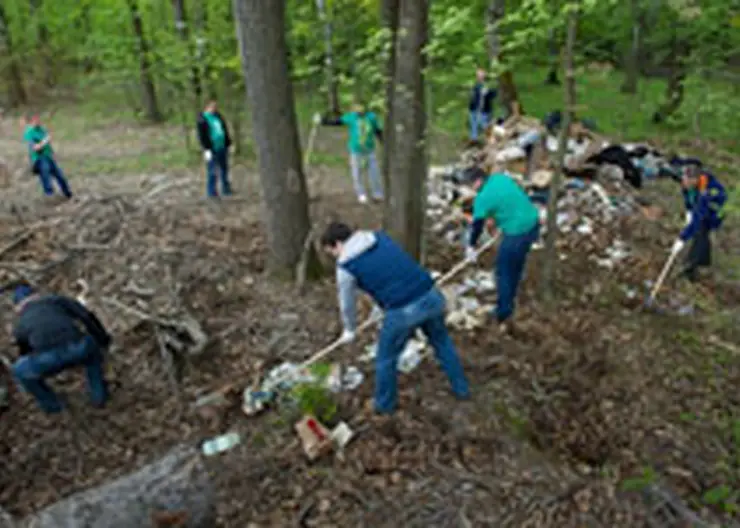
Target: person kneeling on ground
x=214, y=137
x=405, y=292
x=363, y=129
x=50, y=340
x=42, y=157
x=704, y=196
x=500, y=198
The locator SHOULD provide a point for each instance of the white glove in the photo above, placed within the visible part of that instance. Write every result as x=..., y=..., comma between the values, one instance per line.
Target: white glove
x=232, y=149
x=688, y=218
x=207, y=155
x=317, y=119
x=347, y=337
x=377, y=313
x=470, y=254
x=677, y=246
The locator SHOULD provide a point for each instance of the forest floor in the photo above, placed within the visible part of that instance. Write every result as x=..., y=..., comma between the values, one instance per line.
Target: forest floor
x=595, y=400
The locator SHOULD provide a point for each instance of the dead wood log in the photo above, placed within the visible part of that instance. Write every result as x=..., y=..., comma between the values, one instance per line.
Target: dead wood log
x=178, y=484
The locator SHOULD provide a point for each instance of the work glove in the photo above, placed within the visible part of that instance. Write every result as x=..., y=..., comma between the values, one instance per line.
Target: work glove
x=317, y=118
x=688, y=218
x=347, y=337
x=232, y=149
x=376, y=314
x=677, y=246
x=470, y=254
x=207, y=155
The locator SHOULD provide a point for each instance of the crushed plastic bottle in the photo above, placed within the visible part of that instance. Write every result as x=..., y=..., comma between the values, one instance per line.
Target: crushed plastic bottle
x=220, y=444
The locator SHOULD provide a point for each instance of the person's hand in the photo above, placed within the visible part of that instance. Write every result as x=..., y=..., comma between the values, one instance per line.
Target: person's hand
x=207, y=155
x=470, y=254
x=677, y=246
x=688, y=218
x=317, y=118
x=347, y=337
x=377, y=313
x=232, y=149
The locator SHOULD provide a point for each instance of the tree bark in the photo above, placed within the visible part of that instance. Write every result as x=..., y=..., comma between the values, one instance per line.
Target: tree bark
x=551, y=257
x=506, y=85
x=42, y=36
x=632, y=62
x=674, y=92
x=554, y=52
x=181, y=25
x=149, y=93
x=389, y=16
x=407, y=150
x=11, y=71
x=260, y=29
x=332, y=87
x=177, y=483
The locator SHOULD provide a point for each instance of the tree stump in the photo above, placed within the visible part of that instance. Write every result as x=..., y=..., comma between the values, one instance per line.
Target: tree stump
x=176, y=486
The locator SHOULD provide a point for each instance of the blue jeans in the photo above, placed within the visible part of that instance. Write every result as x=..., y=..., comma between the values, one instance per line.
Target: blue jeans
x=219, y=163
x=427, y=313
x=510, y=262
x=47, y=170
x=32, y=369
x=376, y=185
x=478, y=122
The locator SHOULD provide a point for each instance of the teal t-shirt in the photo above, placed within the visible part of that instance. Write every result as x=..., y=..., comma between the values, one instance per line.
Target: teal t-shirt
x=34, y=135
x=216, y=131
x=362, y=129
x=502, y=199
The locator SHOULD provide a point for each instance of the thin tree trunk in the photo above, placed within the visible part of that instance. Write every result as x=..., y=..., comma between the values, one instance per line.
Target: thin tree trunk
x=389, y=15
x=331, y=79
x=632, y=63
x=407, y=156
x=554, y=53
x=11, y=70
x=181, y=25
x=149, y=93
x=551, y=259
x=506, y=86
x=260, y=27
x=202, y=63
x=42, y=36
x=674, y=92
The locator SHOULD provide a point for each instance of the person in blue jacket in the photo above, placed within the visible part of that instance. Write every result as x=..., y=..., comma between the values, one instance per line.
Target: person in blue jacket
x=55, y=333
x=406, y=295
x=480, y=107
x=704, y=197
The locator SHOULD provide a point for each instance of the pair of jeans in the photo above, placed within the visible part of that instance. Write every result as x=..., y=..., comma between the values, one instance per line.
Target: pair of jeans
x=32, y=370
x=356, y=160
x=700, y=252
x=478, y=122
x=49, y=171
x=427, y=313
x=510, y=262
x=218, y=166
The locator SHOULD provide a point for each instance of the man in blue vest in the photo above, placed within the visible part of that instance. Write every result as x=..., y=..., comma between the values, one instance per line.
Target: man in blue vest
x=406, y=294
x=215, y=140
x=704, y=196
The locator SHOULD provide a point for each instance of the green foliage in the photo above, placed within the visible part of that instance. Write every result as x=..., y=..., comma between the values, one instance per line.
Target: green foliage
x=647, y=478
x=313, y=398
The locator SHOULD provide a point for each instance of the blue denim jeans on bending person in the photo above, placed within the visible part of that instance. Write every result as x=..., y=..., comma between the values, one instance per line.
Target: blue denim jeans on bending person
x=427, y=313
x=478, y=122
x=48, y=170
x=32, y=369
x=510, y=262
x=219, y=162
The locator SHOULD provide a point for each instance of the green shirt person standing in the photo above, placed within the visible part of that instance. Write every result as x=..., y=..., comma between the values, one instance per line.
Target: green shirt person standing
x=42, y=159
x=213, y=134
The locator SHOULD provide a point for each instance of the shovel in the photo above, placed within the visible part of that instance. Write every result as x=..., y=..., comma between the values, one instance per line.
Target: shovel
x=663, y=274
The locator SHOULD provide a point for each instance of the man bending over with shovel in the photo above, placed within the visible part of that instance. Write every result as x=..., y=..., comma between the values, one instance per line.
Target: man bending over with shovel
x=704, y=196
x=500, y=198
x=405, y=292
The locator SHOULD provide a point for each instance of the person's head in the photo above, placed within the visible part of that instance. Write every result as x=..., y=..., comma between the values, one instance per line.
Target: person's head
x=358, y=105
x=475, y=177
x=690, y=174
x=211, y=106
x=480, y=75
x=334, y=237
x=33, y=119
x=20, y=294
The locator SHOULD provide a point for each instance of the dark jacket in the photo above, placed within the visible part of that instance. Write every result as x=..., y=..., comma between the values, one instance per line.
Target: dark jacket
x=204, y=133
x=480, y=101
x=617, y=155
x=705, y=204
x=53, y=321
x=378, y=266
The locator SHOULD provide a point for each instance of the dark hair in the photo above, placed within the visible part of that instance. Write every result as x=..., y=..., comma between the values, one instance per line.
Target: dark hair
x=334, y=233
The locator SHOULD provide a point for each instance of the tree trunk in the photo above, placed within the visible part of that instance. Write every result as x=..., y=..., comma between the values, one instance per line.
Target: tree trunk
x=260, y=29
x=551, y=257
x=42, y=36
x=149, y=93
x=674, y=92
x=331, y=79
x=181, y=25
x=506, y=86
x=389, y=16
x=407, y=150
x=178, y=483
x=10, y=67
x=632, y=62
x=554, y=52
x=201, y=47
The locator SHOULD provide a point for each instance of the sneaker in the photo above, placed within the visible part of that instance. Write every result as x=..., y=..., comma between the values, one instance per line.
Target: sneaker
x=362, y=199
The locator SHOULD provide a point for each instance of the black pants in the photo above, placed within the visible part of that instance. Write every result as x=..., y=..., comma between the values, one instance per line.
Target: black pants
x=700, y=253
